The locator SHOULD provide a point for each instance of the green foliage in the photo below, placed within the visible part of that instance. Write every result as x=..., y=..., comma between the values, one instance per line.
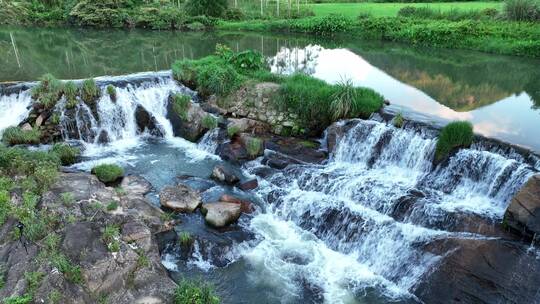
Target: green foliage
x=18, y=136
x=33, y=280
x=113, y=205
x=111, y=238
x=209, y=75
x=185, y=238
x=48, y=91
x=209, y=122
x=68, y=155
x=54, y=297
x=142, y=261
x=211, y=8
x=71, y=272
x=111, y=91
x=55, y=118
x=318, y=104
x=522, y=10
x=24, y=299
x=68, y=198
x=458, y=134
x=181, y=104
x=232, y=130
x=248, y=61
x=108, y=173
x=193, y=292
x=326, y=25
x=5, y=205
x=70, y=92
x=398, y=120
x=90, y=91
x=254, y=146
x=103, y=13
x=453, y=14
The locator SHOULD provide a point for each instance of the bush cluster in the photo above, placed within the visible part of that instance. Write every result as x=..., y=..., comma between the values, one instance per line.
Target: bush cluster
x=68, y=155
x=522, y=10
x=181, y=104
x=452, y=15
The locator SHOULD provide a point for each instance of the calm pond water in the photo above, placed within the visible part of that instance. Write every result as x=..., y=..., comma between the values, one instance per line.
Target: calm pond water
x=499, y=95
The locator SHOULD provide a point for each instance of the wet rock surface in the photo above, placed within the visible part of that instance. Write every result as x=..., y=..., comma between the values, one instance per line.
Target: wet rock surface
x=180, y=198
x=481, y=271
x=191, y=126
x=221, y=214
x=523, y=213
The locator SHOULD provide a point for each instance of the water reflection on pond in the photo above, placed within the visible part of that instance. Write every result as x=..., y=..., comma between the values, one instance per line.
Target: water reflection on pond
x=500, y=95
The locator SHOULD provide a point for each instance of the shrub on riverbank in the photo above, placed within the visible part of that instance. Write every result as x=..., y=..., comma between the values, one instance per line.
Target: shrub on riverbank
x=513, y=38
x=452, y=15
x=318, y=103
x=18, y=136
x=458, y=134
x=108, y=173
x=209, y=75
x=194, y=292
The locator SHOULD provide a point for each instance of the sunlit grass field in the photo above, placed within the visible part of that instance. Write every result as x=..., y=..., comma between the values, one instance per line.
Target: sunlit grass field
x=391, y=9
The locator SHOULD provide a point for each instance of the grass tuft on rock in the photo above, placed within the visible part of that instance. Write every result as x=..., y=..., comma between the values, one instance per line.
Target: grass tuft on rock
x=48, y=91
x=18, y=136
x=90, y=91
x=254, y=146
x=111, y=91
x=181, y=104
x=68, y=155
x=108, y=173
x=457, y=134
x=70, y=92
x=194, y=292
x=209, y=122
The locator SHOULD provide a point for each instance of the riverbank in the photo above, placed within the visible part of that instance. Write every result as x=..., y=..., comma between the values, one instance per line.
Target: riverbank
x=499, y=37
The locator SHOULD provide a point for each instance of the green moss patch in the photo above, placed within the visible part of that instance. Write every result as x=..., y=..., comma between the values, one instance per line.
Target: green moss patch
x=108, y=173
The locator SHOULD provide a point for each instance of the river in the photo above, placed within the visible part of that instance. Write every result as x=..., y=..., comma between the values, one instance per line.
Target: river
x=352, y=230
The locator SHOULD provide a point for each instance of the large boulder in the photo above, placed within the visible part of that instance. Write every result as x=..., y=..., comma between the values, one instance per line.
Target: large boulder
x=180, y=198
x=146, y=122
x=189, y=127
x=221, y=214
x=480, y=271
x=523, y=213
x=224, y=175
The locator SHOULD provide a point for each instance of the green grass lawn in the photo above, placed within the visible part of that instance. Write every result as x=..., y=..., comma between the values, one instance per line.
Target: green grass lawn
x=391, y=9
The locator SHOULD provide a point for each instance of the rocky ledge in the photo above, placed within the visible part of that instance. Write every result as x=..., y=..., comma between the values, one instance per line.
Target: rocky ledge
x=109, y=237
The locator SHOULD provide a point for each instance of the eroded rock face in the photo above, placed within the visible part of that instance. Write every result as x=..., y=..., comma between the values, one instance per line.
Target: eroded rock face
x=481, y=271
x=523, y=213
x=189, y=127
x=221, y=214
x=180, y=198
x=119, y=276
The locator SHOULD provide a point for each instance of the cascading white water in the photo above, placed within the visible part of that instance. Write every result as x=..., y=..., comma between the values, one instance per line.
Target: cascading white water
x=14, y=108
x=339, y=226
x=209, y=141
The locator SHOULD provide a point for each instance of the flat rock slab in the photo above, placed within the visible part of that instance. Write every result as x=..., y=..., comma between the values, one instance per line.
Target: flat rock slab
x=180, y=198
x=221, y=214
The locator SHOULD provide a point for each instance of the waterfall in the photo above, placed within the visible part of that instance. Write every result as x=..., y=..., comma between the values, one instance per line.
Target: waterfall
x=14, y=108
x=115, y=120
x=209, y=142
x=361, y=221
